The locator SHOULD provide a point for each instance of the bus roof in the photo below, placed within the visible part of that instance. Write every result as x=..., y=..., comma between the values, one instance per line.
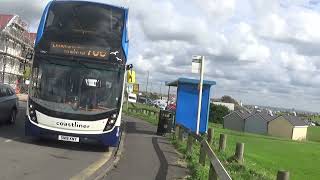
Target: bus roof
x=92, y=2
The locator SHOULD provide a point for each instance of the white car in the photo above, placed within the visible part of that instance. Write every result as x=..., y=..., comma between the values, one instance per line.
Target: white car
x=162, y=106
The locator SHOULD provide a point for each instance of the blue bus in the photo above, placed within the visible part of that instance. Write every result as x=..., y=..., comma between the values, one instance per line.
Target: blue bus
x=78, y=73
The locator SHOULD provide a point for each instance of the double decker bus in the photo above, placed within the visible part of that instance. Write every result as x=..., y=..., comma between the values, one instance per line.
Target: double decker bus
x=78, y=73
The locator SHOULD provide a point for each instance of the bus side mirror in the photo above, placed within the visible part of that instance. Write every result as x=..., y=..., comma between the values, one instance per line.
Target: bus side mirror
x=29, y=55
x=129, y=67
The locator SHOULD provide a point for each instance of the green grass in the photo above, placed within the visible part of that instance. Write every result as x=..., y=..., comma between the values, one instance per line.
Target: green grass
x=197, y=171
x=236, y=171
x=313, y=133
x=315, y=118
x=266, y=155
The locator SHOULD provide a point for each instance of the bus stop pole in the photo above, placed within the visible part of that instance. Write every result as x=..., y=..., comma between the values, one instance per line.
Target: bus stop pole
x=126, y=86
x=200, y=93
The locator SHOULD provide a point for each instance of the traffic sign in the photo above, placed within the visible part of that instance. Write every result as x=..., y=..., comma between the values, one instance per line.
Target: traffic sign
x=131, y=76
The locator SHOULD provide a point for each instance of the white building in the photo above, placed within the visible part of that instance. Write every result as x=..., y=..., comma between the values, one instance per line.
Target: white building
x=15, y=43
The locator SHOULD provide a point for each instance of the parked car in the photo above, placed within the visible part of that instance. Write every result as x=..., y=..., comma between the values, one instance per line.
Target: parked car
x=162, y=106
x=171, y=107
x=159, y=102
x=8, y=104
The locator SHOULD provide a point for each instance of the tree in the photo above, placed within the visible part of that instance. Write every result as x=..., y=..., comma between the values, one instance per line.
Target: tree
x=229, y=99
x=217, y=112
x=27, y=73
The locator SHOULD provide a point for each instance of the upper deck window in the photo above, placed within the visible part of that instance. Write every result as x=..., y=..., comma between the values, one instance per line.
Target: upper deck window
x=83, y=23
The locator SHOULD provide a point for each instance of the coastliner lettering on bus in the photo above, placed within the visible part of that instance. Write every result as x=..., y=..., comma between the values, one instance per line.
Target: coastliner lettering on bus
x=73, y=124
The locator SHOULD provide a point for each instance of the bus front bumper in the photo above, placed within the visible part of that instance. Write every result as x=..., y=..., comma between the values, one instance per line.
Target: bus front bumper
x=106, y=139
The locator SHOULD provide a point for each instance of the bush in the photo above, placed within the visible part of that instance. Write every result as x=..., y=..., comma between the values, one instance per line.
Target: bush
x=217, y=112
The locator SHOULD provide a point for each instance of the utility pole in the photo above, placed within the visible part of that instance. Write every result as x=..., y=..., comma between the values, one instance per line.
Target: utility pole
x=147, y=83
x=160, y=90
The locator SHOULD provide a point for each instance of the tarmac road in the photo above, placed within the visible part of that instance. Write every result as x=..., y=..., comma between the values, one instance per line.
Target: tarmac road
x=27, y=158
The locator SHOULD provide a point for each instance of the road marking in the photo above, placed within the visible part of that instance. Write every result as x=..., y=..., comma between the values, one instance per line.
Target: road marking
x=90, y=170
x=9, y=140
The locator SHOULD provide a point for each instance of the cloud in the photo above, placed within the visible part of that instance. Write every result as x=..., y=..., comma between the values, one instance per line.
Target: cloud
x=261, y=52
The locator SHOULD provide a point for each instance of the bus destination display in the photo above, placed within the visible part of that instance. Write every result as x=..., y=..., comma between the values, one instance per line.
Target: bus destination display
x=78, y=50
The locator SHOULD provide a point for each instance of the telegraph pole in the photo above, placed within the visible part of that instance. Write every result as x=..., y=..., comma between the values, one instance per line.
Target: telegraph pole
x=160, y=90
x=147, y=83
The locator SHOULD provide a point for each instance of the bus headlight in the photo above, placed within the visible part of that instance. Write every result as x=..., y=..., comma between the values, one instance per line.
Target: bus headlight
x=32, y=113
x=110, y=123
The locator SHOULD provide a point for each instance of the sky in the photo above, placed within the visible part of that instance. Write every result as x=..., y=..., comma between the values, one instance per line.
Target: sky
x=263, y=52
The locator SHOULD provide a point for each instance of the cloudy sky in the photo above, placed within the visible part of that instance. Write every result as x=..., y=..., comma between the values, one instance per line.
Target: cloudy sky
x=258, y=51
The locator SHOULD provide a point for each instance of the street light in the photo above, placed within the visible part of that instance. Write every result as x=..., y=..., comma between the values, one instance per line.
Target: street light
x=198, y=67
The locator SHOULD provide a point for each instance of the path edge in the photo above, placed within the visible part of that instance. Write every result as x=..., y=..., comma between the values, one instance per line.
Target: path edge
x=113, y=162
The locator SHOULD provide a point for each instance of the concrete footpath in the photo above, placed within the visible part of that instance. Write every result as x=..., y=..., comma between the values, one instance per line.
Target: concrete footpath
x=147, y=156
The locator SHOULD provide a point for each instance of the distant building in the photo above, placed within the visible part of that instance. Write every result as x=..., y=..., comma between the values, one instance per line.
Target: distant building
x=236, y=120
x=15, y=43
x=230, y=106
x=258, y=122
x=287, y=126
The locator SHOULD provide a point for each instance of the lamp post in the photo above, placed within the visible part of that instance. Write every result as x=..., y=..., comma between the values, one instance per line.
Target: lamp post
x=198, y=66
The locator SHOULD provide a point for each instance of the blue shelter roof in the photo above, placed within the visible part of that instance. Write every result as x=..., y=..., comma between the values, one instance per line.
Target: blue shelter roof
x=189, y=81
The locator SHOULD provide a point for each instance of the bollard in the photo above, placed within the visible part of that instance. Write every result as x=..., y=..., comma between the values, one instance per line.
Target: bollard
x=189, y=143
x=212, y=173
x=210, y=135
x=202, y=157
x=181, y=134
x=239, y=152
x=283, y=175
x=176, y=131
x=222, y=142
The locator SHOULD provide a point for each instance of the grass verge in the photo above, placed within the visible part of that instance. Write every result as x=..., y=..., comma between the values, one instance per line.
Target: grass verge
x=153, y=119
x=313, y=133
x=266, y=155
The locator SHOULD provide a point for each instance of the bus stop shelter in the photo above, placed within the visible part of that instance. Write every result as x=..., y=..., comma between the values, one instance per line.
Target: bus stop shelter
x=187, y=103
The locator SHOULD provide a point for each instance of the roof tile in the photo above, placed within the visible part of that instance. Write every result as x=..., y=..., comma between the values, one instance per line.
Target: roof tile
x=4, y=20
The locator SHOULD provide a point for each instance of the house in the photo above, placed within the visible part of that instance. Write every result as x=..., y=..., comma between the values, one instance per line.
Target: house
x=236, y=120
x=287, y=126
x=15, y=43
x=258, y=122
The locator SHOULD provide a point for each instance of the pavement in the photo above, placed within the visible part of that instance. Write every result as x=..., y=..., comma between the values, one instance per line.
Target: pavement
x=27, y=158
x=144, y=156
x=147, y=156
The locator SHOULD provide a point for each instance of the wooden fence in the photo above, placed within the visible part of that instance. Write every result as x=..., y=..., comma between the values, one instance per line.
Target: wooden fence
x=216, y=168
x=217, y=171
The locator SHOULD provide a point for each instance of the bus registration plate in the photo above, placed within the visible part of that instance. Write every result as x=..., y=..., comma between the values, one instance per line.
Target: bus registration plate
x=68, y=138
